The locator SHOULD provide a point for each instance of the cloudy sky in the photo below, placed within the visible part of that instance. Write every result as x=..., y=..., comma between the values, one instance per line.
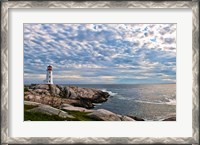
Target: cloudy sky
x=100, y=53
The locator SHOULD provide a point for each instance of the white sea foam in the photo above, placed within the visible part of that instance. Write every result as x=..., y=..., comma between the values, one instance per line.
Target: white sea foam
x=97, y=104
x=171, y=102
x=109, y=92
x=148, y=102
x=168, y=102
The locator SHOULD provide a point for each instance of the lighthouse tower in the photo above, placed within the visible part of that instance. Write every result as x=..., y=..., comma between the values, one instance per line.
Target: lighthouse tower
x=49, y=77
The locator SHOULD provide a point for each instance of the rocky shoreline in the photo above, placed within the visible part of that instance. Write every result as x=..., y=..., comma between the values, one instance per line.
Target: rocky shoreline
x=68, y=103
x=56, y=95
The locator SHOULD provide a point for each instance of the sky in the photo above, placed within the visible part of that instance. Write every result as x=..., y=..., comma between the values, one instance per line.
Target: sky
x=100, y=53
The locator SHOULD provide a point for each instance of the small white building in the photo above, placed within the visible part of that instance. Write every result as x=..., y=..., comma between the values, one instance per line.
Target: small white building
x=49, y=76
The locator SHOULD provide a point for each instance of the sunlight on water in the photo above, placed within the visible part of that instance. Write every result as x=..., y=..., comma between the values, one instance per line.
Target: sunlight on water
x=151, y=102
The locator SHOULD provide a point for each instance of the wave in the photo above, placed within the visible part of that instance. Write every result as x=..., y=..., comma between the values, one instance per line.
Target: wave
x=171, y=101
x=109, y=92
x=148, y=102
x=113, y=94
x=97, y=104
x=168, y=102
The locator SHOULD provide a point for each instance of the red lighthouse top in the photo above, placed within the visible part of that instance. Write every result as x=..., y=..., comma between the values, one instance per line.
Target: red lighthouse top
x=49, y=67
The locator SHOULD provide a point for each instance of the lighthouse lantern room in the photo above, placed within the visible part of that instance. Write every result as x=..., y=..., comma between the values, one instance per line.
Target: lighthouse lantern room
x=49, y=76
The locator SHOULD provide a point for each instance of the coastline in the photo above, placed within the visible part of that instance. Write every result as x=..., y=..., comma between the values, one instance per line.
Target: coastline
x=72, y=100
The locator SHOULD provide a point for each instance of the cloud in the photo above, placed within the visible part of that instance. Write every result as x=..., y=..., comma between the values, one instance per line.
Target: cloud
x=101, y=53
x=169, y=40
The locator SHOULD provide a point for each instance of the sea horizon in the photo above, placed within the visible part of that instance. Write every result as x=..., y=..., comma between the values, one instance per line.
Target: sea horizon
x=102, y=84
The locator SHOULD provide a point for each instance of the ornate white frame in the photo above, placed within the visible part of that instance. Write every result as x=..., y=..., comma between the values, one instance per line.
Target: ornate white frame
x=5, y=139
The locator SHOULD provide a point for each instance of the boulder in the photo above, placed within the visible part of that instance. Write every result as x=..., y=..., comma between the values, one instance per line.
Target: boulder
x=68, y=93
x=73, y=108
x=104, y=115
x=170, y=119
x=54, y=90
x=82, y=103
x=126, y=118
x=42, y=92
x=46, y=109
x=40, y=86
x=31, y=103
x=136, y=118
x=95, y=95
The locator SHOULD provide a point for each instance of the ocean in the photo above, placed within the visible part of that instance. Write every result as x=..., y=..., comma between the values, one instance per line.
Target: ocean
x=147, y=101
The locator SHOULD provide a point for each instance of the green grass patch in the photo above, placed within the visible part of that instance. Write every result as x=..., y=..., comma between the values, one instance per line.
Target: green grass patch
x=28, y=107
x=80, y=116
x=37, y=116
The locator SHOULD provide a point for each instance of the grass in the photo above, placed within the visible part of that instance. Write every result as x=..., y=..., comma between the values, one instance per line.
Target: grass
x=38, y=116
x=80, y=116
x=27, y=107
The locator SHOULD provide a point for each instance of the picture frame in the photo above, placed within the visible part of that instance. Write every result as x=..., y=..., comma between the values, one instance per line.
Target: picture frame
x=6, y=5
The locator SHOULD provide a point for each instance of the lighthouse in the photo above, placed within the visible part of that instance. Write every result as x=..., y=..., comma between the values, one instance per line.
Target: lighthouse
x=49, y=76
